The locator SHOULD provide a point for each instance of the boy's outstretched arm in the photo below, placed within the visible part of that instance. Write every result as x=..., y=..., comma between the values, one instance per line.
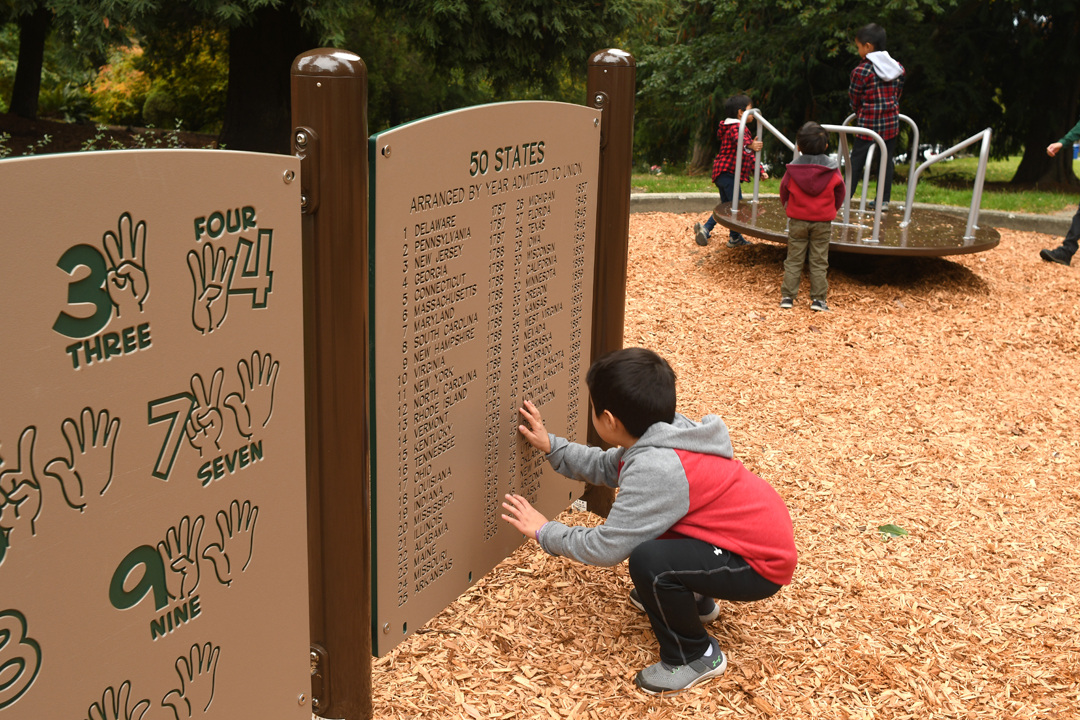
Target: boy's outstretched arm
x=578, y=462
x=533, y=429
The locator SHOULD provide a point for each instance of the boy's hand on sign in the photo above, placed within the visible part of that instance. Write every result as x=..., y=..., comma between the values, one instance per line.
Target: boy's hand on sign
x=523, y=516
x=534, y=430
x=1053, y=148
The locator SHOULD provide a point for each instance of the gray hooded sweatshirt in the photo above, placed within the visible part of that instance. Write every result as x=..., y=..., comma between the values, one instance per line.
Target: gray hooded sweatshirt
x=678, y=479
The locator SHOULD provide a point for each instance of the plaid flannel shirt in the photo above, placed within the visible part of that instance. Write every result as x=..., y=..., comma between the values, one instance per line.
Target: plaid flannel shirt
x=725, y=159
x=876, y=102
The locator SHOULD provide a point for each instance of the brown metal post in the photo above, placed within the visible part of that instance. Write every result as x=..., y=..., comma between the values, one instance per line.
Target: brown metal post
x=329, y=114
x=611, y=89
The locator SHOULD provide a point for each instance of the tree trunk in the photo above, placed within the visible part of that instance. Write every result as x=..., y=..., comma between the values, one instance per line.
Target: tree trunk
x=701, y=160
x=257, y=105
x=33, y=29
x=1036, y=167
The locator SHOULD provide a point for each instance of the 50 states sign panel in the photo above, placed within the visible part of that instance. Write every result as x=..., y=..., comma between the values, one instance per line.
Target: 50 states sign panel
x=483, y=234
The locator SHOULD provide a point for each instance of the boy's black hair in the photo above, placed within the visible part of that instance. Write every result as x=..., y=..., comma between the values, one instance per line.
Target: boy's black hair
x=734, y=104
x=872, y=34
x=635, y=385
x=812, y=139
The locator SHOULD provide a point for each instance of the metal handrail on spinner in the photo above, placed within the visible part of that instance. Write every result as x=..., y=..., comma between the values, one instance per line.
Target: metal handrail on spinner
x=913, y=175
x=843, y=131
x=980, y=179
x=913, y=155
x=762, y=122
x=914, y=172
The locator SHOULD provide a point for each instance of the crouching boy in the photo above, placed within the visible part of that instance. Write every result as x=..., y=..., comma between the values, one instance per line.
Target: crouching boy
x=694, y=523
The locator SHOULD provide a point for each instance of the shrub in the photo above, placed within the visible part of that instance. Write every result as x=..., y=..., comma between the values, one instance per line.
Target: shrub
x=119, y=91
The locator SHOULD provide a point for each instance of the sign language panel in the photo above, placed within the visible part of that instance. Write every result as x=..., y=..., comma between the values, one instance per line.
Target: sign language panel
x=152, y=439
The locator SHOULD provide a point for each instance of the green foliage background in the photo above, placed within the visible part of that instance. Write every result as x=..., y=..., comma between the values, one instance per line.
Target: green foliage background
x=1012, y=65
x=64, y=80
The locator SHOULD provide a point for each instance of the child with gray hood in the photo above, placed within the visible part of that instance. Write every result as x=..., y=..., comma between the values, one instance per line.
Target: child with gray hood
x=693, y=521
x=812, y=191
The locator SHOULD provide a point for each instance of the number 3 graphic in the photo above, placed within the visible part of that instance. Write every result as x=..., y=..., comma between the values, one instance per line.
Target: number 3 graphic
x=16, y=650
x=91, y=289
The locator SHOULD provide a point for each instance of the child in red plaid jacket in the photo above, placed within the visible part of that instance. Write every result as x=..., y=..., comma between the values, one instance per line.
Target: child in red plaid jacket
x=723, y=173
x=876, y=84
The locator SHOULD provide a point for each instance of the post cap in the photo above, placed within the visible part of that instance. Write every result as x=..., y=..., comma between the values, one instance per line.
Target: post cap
x=612, y=56
x=328, y=61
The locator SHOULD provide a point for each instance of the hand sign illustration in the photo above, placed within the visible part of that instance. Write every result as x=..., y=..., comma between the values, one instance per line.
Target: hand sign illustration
x=212, y=274
x=20, y=494
x=128, y=284
x=180, y=550
x=204, y=425
x=254, y=404
x=196, y=691
x=87, y=472
x=237, y=529
x=114, y=705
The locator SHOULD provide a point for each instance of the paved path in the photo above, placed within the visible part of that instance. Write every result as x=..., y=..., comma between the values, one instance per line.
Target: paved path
x=705, y=202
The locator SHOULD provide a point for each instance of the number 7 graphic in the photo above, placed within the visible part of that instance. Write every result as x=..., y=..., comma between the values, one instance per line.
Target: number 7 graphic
x=170, y=408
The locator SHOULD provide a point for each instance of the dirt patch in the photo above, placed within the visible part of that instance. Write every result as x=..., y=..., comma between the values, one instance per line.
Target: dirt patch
x=940, y=395
x=71, y=137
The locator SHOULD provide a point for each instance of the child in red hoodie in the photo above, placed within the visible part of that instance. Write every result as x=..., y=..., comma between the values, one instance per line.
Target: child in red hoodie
x=812, y=191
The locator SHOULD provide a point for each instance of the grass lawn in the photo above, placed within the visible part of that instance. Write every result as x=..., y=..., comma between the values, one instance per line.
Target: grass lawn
x=936, y=185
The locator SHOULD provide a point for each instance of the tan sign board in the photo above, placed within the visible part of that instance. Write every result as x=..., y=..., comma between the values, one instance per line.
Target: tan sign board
x=153, y=558
x=483, y=233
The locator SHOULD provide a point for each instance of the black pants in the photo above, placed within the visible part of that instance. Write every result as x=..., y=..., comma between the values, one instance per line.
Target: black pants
x=727, y=186
x=859, y=148
x=1072, y=237
x=667, y=573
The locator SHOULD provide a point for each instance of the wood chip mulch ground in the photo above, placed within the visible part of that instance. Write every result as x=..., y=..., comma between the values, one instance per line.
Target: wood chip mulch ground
x=940, y=395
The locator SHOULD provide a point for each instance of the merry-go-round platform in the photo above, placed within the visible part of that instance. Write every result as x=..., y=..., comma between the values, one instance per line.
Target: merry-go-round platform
x=928, y=232
x=857, y=227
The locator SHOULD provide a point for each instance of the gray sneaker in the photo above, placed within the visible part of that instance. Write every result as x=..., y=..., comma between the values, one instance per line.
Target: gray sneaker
x=700, y=236
x=738, y=242
x=819, y=306
x=662, y=678
x=707, y=608
x=786, y=303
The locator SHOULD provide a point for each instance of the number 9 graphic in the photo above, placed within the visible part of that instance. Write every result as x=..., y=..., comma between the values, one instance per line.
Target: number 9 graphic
x=153, y=578
x=16, y=651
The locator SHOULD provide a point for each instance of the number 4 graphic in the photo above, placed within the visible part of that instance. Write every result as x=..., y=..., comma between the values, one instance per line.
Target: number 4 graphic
x=255, y=276
x=170, y=408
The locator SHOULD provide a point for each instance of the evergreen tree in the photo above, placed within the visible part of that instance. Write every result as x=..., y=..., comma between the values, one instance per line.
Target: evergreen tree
x=1012, y=65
